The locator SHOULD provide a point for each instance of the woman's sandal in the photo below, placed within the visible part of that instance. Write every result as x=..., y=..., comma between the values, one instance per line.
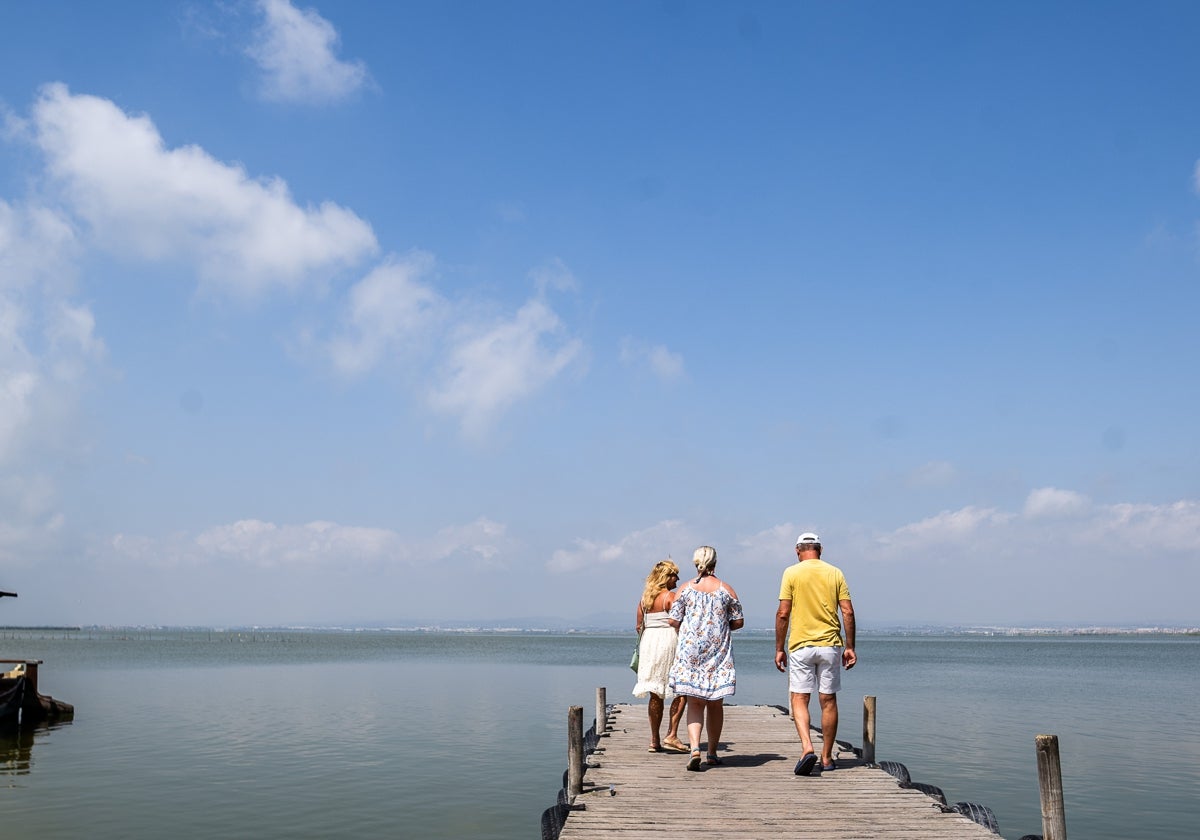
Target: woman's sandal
x=713, y=760
x=694, y=761
x=675, y=744
x=654, y=748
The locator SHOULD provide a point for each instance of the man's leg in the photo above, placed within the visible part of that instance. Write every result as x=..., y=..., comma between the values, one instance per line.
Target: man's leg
x=803, y=722
x=829, y=725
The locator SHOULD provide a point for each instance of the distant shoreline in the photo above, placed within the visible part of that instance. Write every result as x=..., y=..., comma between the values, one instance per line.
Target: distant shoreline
x=457, y=628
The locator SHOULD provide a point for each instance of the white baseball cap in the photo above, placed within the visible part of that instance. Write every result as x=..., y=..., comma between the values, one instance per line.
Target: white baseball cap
x=808, y=538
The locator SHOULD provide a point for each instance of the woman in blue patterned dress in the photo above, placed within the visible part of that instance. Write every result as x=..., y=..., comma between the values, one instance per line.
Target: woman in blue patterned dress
x=704, y=613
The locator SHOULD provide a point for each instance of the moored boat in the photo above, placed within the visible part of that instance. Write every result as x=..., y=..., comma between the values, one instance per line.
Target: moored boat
x=20, y=702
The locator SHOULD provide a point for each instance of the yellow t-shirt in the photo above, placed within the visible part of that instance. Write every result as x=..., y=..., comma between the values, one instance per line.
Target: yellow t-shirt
x=814, y=587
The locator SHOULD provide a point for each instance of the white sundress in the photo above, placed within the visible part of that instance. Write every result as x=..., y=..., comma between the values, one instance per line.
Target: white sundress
x=656, y=653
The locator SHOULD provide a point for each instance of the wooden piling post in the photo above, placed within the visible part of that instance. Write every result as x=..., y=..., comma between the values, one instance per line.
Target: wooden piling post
x=1054, y=814
x=869, y=729
x=574, y=753
x=601, y=710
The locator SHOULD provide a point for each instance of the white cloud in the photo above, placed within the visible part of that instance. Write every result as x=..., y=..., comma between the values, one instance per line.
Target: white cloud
x=482, y=544
x=297, y=52
x=553, y=276
x=1050, y=502
x=386, y=312
x=1052, y=521
x=74, y=345
x=255, y=544
x=144, y=200
x=770, y=546
x=640, y=548
x=262, y=572
x=491, y=367
x=474, y=371
x=1141, y=528
x=48, y=354
x=1062, y=558
x=20, y=376
x=247, y=237
x=37, y=249
x=1058, y=558
x=663, y=363
x=48, y=345
x=950, y=526
x=265, y=544
x=30, y=524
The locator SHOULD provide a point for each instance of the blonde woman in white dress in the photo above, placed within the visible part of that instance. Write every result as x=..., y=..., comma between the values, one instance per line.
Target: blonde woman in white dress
x=656, y=653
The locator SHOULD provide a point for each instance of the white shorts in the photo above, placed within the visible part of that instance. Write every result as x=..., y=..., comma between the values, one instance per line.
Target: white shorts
x=815, y=667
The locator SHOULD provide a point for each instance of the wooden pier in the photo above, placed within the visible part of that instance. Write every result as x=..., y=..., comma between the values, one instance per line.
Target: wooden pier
x=628, y=793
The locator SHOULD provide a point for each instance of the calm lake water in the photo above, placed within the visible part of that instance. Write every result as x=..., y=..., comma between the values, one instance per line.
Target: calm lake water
x=388, y=734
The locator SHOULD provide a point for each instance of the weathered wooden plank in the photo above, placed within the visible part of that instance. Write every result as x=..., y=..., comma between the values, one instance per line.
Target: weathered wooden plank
x=629, y=793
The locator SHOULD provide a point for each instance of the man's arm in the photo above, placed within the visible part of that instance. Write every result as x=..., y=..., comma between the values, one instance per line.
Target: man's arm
x=849, y=657
x=782, y=616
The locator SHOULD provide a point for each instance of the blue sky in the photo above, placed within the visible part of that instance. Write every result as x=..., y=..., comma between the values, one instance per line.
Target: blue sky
x=366, y=312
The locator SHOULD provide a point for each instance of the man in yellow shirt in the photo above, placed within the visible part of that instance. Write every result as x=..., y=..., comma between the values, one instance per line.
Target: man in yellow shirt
x=812, y=596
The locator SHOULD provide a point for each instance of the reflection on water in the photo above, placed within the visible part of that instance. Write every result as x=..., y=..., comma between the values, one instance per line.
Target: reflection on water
x=16, y=746
x=329, y=735
x=16, y=751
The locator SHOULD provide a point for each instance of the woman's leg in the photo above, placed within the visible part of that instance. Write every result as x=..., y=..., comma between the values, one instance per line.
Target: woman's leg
x=695, y=721
x=655, y=712
x=716, y=719
x=672, y=738
x=695, y=724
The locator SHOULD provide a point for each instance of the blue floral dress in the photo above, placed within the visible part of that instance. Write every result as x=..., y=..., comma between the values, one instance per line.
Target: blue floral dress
x=703, y=664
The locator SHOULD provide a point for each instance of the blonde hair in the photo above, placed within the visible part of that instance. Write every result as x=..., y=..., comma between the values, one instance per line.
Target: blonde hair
x=656, y=582
x=705, y=559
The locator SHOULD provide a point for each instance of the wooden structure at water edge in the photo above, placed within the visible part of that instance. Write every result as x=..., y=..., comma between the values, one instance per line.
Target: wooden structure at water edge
x=617, y=790
x=20, y=702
